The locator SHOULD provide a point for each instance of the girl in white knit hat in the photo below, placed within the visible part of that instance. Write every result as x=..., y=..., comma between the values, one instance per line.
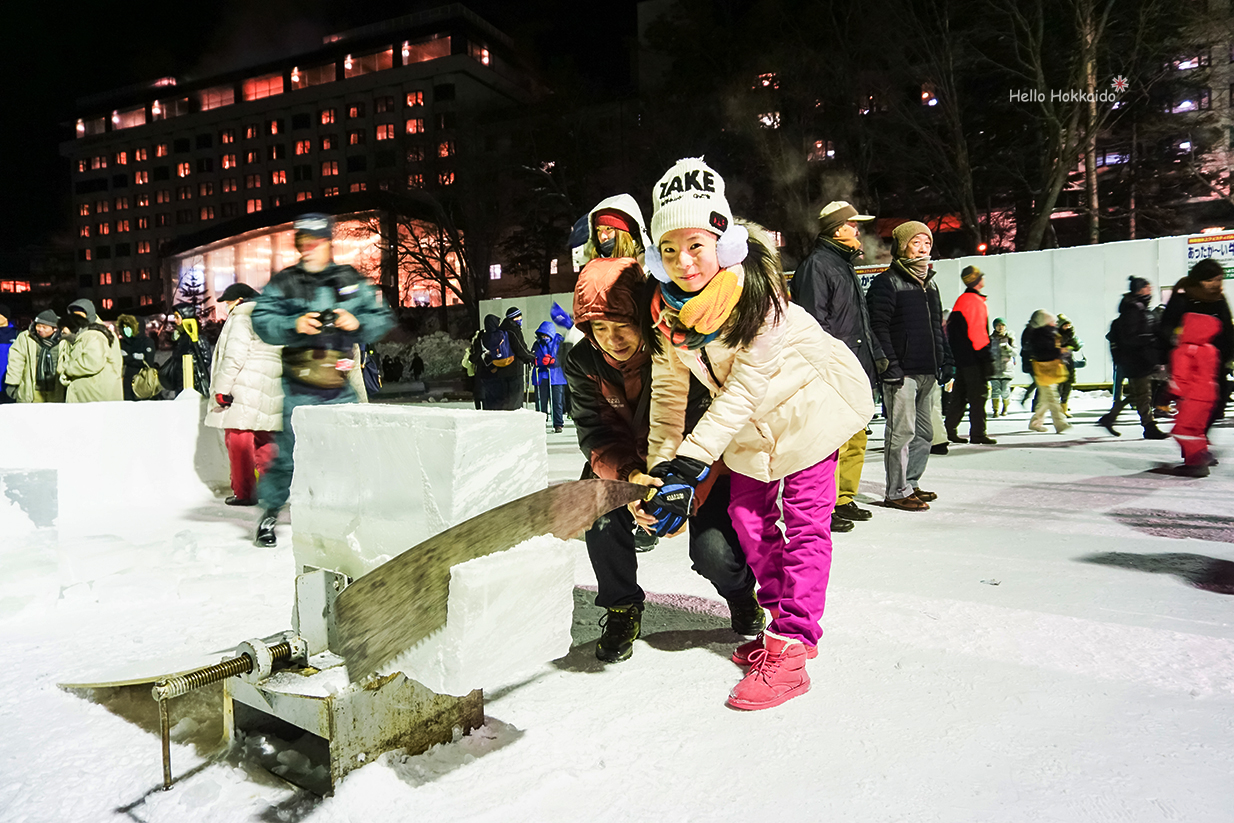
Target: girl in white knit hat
x=786, y=396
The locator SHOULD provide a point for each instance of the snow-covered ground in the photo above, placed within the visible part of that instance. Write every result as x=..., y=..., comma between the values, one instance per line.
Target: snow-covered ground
x=1039, y=646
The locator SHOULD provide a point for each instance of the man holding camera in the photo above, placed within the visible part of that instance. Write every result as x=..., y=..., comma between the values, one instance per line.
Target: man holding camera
x=316, y=310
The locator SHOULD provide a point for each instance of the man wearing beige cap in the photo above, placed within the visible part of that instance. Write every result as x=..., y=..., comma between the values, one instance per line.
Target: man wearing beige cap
x=826, y=285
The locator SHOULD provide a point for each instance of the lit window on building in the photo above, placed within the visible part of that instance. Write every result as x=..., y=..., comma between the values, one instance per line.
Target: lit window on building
x=83, y=165
x=107, y=302
x=216, y=97
x=421, y=51
x=101, y=207
x=122, y=203
x=414, y=181
x=252, y=205
x=769, y=120
x=415, y=99
x=366, y=63
x=385, y=132
x=146, y=300
x=329, y=168
x=494, y=271
x=184, y=192
x=415, y=154
x=121, y=158
x=415, y=125
x=313, y=76
x=207, y=213
x=104, y=278
x=143, y=247
x=141, y=178
x=141, y=155
x=162, y=219
x=552, y=266
x=274, y=126
x=304, y=146
x=354, y=187
x=129, y=118
x=184, y=169
x=445, y=178
x=162, y=196
x=327, y=116
x=355, y=110
x=83, y=231
x=87, y=255
x=229, y=184
x=303, y=195
x=278, y=178
x=205, y=189
x=228, y=161
x=143, y=274
x=103, y=228
x=95, y=125
x=122, y=226
x=332, y=191
x=84, y=210
x=267, y=85
x=382, y=105
x=479, y=53
x=143, y=223
x=161, y=150
x=227, y=136
x=821, y=150
x=98, y=162
x=355, y=138
x=276, y=152
x=126, y=276
x=252, y=181
x=445, y=148
x=251, y=157
x=329, y=143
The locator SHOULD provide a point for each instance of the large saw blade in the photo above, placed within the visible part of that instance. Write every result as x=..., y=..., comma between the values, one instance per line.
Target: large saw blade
x=403, y=601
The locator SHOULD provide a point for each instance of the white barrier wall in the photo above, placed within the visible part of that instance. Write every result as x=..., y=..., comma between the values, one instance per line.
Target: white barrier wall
x=112, y=462
x=374, y=480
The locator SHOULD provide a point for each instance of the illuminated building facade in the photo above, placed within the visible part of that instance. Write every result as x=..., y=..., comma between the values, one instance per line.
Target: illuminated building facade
x=201, y=177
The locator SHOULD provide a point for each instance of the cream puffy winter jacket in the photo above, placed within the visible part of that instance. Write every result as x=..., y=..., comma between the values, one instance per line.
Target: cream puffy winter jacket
x=251, y=371
x=92, y=366
x=781, y=405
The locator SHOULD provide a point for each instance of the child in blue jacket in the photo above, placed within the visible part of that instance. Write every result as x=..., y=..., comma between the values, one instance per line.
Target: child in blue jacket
x=547, y=376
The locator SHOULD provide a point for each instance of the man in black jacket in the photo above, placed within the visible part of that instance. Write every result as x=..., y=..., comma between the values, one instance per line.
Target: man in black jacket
x=1137, y=353
x=906, y=317
x=826, y=285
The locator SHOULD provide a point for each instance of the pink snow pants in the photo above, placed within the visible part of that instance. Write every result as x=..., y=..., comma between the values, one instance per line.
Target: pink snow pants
x=792, y=568
x=1191, y=429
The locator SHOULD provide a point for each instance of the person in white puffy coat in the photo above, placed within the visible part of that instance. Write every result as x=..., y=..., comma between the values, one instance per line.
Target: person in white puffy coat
x=246, y=394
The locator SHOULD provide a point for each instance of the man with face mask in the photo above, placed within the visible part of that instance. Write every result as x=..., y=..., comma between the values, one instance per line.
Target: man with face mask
x=906, y=317
x=31, y=376
x=826, y=285
x=137, y=348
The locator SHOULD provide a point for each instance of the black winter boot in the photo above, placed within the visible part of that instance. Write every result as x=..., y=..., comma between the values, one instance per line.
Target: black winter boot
x=1151, y=432
x=1106, y=422
x=621, y=626
x=265, y=529
x=746, y=616
x=840, y=524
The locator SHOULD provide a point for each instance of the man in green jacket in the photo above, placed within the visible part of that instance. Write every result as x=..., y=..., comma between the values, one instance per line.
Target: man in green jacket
x=32, y=377
x=316, y=310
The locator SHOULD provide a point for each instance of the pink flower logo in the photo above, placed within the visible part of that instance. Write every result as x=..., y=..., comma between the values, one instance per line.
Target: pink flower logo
x=1120, y=84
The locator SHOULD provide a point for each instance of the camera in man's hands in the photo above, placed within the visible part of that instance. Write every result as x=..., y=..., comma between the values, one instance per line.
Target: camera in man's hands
x=327, y=319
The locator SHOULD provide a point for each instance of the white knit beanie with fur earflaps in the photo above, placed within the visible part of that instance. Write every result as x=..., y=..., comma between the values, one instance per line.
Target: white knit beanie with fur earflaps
x=690, y=195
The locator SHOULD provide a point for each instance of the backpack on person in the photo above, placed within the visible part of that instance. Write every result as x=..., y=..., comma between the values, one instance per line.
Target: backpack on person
x=495, y=349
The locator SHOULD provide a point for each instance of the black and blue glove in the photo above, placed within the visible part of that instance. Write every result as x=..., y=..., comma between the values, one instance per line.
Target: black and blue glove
x=674, y=500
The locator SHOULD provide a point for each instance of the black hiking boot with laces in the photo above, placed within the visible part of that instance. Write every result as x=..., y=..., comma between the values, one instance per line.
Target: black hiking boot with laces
x=265, y=529
x=621, y=626
x=746, y=616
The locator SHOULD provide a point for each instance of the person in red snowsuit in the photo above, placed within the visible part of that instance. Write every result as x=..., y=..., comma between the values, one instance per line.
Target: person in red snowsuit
x=1193, y=380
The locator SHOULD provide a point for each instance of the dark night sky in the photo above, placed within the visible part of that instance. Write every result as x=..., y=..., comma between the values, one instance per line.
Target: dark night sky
x=55, y=52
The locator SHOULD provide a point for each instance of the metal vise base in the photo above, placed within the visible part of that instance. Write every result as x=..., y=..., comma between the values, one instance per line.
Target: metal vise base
x=353, y=726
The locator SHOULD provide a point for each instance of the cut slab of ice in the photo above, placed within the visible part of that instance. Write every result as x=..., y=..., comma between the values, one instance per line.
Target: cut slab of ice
x=507, y=613
x=371, y=481
x=118, y=465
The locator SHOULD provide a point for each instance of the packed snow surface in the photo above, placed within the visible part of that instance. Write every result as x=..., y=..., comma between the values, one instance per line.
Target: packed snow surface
x=1052, y=641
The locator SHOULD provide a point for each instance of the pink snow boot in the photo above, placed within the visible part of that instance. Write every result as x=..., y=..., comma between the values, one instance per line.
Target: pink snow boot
x=777, y=674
